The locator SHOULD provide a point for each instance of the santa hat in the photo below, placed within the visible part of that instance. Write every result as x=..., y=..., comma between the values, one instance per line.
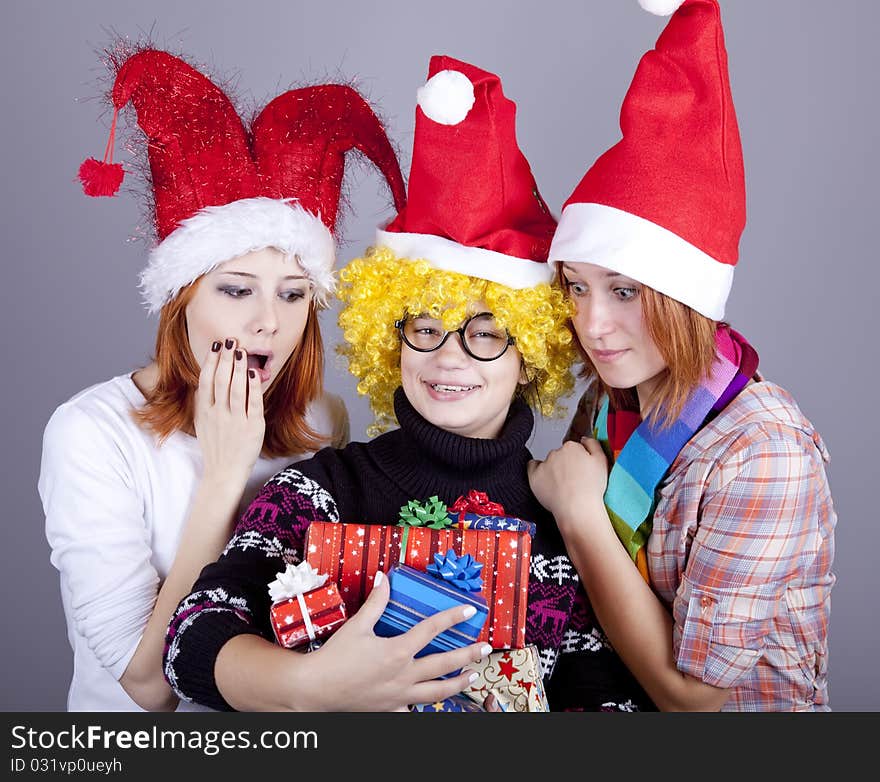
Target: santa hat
x=473, y=205
x=666, y=204
x=221, y=190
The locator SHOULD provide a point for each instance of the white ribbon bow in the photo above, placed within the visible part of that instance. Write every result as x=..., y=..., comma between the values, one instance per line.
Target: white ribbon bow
x=294, y=582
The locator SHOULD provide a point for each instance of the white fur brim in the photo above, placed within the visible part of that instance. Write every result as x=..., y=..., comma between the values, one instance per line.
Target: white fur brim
x=451, y=256
x=661, y=7
x=220, y=233
x=648, y=253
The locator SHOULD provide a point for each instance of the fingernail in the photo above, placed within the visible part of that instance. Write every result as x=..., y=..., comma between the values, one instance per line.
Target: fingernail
x=485, y=649
x=215, y=347
x=251, y=374
x=238, y=355
x=229, y=344
x=473, y=677
x=377, y=579
x=468, y=612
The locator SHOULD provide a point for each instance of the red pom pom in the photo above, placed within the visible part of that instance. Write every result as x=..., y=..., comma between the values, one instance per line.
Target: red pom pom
x=100, y=179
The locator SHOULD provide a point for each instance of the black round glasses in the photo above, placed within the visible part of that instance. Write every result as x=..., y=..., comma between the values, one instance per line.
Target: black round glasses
x=481, y=336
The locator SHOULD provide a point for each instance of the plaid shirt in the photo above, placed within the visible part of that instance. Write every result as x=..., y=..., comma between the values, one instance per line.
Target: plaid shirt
x=741, y=552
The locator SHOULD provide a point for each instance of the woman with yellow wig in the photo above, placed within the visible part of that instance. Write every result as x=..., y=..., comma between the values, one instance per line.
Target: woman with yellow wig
x=454, y=328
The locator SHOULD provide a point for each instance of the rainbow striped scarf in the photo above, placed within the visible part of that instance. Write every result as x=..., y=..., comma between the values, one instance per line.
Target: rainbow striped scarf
x=642, y=454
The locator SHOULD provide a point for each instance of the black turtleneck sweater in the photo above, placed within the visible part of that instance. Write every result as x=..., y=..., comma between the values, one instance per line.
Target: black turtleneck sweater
x=367, y=483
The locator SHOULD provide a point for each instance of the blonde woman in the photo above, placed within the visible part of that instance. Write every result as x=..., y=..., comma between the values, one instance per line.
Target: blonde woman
x=453, y=328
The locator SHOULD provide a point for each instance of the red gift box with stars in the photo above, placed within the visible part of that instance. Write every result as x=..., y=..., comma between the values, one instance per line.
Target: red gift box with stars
x=325, y=609
x=514, y=677
x=352, y=554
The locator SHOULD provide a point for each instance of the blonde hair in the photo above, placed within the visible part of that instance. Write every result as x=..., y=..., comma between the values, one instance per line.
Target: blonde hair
x=379, y=288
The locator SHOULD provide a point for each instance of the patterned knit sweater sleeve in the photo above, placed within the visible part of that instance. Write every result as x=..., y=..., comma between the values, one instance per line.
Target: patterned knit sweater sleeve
x=231, y=595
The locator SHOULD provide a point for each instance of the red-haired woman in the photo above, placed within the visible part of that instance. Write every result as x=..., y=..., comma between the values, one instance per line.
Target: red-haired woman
x=143, y=476
x=717, y=489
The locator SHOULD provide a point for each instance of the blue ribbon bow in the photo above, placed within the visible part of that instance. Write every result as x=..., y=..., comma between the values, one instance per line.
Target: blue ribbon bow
x=462, y=572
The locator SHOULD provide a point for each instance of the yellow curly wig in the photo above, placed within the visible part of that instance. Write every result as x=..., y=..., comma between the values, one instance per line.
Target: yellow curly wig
x=379, y=288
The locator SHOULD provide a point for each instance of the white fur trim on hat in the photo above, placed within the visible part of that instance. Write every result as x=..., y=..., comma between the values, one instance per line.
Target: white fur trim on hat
x=646, y=252
x=446, y=97
x=451, y=256
x=220, y=233
x=661, y=7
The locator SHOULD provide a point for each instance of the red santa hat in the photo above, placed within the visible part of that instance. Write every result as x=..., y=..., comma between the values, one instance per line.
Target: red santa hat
x=666, y=204
x=221, y=190
x=473, y=205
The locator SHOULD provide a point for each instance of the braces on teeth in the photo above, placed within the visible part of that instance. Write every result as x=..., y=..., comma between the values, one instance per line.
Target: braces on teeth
x=439, y=387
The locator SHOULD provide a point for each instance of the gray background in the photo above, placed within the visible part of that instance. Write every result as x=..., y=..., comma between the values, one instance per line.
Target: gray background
x=804, y=294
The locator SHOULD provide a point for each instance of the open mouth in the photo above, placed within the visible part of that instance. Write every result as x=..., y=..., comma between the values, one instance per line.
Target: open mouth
x=260, y=363
x=257, y=360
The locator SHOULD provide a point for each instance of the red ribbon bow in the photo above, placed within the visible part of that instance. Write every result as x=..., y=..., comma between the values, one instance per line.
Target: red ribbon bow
x=477, y=502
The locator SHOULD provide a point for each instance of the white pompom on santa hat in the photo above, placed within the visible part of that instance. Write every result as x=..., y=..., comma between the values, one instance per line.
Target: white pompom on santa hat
x=666, y=204
x=660, y=7
x=446, y=97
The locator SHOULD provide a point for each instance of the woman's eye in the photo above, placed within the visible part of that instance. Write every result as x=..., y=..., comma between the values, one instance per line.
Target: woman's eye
x=427, y=331
x=235, y=291
x=625, y=294
x=576, y=288
x=486, y=335
x=293, y=295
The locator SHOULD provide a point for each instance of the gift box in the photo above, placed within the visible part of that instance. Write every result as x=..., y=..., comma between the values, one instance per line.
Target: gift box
x=305, y=608
x=495, y=523
x=475, y=511
x=416, y=595
x=514, y=676
x=352, y=554
x=457, y=703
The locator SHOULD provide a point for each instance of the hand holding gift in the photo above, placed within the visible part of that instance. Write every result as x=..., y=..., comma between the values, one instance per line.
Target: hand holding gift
x=357, y=670
x=415, y=595
x=449, y=580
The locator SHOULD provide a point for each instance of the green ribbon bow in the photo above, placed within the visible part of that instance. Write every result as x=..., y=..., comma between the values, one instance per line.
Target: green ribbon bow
x=433, y=514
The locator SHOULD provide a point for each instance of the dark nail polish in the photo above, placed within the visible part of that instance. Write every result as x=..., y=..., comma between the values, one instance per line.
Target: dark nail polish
x=238, y=355
x=215, y=347
x=251, y=374
x=229, y=344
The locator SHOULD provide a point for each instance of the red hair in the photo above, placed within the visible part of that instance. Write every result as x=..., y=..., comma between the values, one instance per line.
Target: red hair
x=685, y=340
x=170, y=404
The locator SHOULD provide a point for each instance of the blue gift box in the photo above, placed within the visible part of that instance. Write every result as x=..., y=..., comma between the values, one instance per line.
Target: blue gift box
x=495, y=523
x=416, y=595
